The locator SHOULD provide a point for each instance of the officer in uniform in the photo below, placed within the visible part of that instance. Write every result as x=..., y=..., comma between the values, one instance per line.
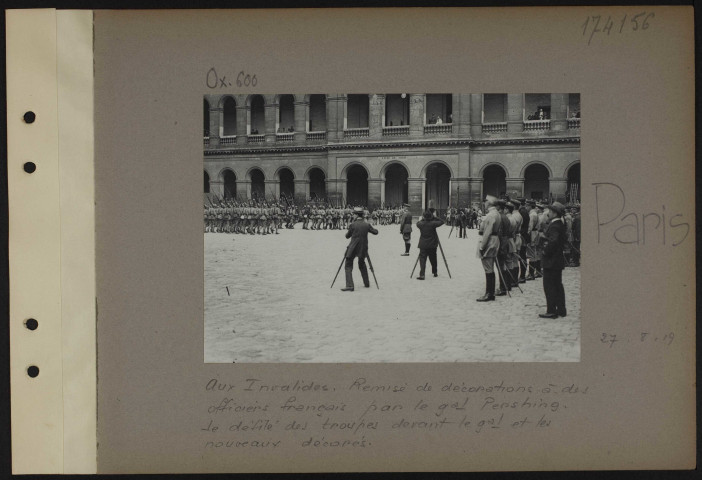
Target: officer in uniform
x=406, y=229
x=357, y=248
x=554, y=262
x=515, y=219
x=488, y=246
x=428, y=242
x=576, y=237
x=506, y=249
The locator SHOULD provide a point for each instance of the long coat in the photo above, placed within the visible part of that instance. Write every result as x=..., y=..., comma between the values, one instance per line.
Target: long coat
x=358, y=233
x=553, y=245
x=428, y=237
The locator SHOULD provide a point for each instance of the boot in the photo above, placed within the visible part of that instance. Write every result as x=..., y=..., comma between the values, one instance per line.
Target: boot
x=489, y=288
x=364, y=276
x=349, y=281
x=503, y=287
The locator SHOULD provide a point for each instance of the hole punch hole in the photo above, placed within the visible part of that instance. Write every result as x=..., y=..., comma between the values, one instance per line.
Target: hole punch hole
x=31, y=324
x=30, y=167
x=29, y=117
x=33, y=371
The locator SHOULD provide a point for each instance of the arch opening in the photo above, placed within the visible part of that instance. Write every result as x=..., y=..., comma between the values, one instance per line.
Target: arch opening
x=207, y=182
x=286, y=114
x=573, y=191
x=494, y=181
x=206, y=118
x=396, y=185
x=438, y=187
x=536, y=183
x=229, y=179
x=318, y=188
x=287, y=183
x=318, y=113
x=357, y=186
x=229, y=117
x=258, y=184
x=258, y=116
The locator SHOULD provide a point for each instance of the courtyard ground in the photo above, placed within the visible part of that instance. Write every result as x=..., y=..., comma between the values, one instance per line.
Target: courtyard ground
x=279, y=306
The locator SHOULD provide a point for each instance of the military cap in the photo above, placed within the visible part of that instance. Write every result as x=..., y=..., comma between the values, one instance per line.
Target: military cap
x=557, y=207
x=521, y=199
x=531, y=202
x=358, y=210
x=516, y=203
x=491, y=200
x=501, y=203
x=540, y=205
x=509, y=204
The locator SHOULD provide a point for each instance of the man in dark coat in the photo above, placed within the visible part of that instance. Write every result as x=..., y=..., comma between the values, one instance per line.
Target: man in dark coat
x=428, y=242
x=406, y=229
x=576, y=237
x=358, y=248
x=553, y=262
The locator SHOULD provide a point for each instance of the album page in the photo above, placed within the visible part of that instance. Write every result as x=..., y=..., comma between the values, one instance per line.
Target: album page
x=477, y=255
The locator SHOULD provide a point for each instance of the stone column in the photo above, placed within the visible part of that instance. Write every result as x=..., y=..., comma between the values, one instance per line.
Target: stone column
x=460, y=192
x=476, y=190
x=243, y=189
x=557, y=189
x=302, y=190
x=215, y=119
x=377, y=115
x=216, y=188
x=271, y=117
x=301, y=115
x=374, y=191
x=336, y=190
x=415, y=195
x=243, y=116
x=476, y=114
x=515, y=113
x=559, y=112
x=272, y=188
x=515, y=187
x=417, y=107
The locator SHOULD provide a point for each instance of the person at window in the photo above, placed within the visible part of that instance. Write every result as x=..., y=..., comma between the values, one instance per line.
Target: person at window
x=438, y=120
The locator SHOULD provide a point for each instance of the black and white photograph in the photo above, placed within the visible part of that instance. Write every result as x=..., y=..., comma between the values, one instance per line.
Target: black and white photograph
x=391, y=227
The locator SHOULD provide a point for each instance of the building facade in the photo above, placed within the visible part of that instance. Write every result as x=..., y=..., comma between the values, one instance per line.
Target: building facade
x=387, y=149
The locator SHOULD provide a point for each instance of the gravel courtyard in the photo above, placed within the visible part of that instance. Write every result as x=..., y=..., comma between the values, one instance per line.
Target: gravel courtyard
x=279, y=307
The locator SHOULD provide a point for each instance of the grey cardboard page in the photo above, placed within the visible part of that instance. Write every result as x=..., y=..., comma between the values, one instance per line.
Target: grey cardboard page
x=628, y=403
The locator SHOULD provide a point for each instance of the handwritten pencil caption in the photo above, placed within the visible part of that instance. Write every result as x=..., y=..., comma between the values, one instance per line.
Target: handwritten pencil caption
x=252, y=413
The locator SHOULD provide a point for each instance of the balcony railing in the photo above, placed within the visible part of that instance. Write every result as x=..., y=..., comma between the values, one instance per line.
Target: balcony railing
x=284, y=137
x=227, y=140
x=438, y=129
x=573, y=123
x=257, y=138
x=395, y=131
x=356, y=132
x=494, y=127
x=537, y=124
x=206, y=141
x=316, y=136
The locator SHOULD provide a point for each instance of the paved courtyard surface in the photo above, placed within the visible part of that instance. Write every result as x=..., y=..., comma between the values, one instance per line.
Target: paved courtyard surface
x=280, y=308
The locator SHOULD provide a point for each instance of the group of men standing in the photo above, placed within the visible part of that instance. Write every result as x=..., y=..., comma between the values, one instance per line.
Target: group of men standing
x=520, y=239
x=267, y=217
x=523, y=240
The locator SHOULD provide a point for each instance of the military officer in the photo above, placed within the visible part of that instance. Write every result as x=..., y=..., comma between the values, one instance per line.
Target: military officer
x=554, y=262
x=406, y=229
x=488, y=246
x=358, y=248
x=506, y=249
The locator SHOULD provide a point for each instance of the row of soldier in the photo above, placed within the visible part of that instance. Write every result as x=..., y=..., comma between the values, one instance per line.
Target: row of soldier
x=267, y=217
x=515, y=240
